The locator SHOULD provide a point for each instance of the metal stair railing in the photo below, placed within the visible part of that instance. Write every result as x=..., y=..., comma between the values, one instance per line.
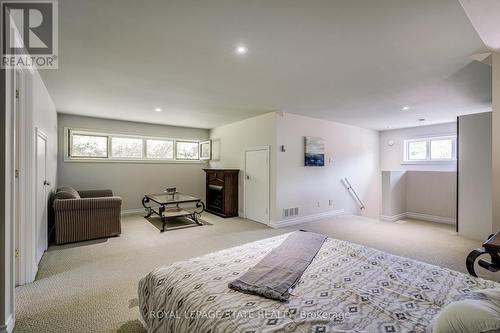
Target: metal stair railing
x=353, y=193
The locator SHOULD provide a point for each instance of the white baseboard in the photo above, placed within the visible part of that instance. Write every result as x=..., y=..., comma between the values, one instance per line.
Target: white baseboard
x=303, y=219
x=431, y=218
x=133, y=211
x=418, y=216
x=392, y=218
x=8, y=327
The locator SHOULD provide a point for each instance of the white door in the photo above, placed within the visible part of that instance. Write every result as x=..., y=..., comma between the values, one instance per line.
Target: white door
x=257, y=185
x=41, y=195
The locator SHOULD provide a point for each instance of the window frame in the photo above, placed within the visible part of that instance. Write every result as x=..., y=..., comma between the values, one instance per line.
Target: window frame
x=111, y=137
x=186, y=141
x=428, y=140
x=69, y=157
x=82, y=133
x=145, y=149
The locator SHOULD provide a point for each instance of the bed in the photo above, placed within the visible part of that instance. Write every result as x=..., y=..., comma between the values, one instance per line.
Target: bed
x=346, y=288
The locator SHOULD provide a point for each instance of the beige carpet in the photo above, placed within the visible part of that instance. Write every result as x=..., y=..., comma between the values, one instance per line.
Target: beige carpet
x=92, y=286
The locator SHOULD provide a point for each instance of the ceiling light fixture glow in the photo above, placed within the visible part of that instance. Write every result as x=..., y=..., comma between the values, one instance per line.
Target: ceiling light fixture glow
x=158, y=110
x=405, y=108
x=241, y=49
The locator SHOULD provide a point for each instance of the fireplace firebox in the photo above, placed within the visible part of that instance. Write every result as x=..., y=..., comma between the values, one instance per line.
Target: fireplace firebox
x=222, y=192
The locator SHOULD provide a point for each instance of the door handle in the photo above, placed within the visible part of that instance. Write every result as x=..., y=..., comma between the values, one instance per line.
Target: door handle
x=46, y=183
x=248, y=177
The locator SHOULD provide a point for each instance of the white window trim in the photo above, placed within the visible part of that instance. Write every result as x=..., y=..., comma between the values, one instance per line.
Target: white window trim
x=428, y=139
x=110, y=159
x=145, y=149
x=110, y=147
x=186, y=159
x=70, y=144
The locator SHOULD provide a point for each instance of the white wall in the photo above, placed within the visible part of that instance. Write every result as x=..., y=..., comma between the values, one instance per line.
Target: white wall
x=475, y=176
x=131, y=180
x=235, y=138
x=432, y=193
x=355, y=154
x=430, y=189
x=426, y=195
x=393, y=195
x=38, y=111
x=496, y=139
x=392, y=156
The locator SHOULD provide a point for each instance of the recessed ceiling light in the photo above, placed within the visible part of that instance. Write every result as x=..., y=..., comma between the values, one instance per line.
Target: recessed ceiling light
x=405, y=108
x=158, y=110
x=241, y=49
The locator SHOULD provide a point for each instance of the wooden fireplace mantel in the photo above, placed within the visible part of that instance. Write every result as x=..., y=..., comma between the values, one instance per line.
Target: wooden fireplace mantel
x=222, y=192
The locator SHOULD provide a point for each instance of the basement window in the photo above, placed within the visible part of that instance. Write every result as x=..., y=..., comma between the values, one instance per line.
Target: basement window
x=442, y=149
x=88, y=145
x=160, y=149
x=119, y=147
x=126, y=147
x=187, y=150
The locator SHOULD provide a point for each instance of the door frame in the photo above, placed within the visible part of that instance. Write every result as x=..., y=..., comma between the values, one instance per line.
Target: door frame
x=19, y=144
x=17, y=149
x=24, y=217
x=9, y=252
x=268, y=179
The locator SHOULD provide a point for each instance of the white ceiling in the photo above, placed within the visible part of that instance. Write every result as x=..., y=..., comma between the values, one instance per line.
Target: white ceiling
x=357, y=62
x=485, y=17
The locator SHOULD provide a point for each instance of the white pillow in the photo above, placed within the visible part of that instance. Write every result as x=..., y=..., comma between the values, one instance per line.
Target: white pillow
x=471, y=315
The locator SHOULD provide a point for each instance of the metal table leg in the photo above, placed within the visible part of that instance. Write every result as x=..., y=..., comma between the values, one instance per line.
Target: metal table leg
x=471, y=259
x=149, y=210
x=488, y=248
x=163, y=219
x=197, y=214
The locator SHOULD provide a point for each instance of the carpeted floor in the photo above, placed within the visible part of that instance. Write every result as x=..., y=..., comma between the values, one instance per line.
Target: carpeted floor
x=92, y=286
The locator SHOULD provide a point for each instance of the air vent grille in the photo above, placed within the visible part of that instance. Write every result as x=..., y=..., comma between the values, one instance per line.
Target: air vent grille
x=289, y=212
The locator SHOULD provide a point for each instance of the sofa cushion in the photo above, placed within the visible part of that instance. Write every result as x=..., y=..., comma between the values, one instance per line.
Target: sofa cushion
x=66, y=193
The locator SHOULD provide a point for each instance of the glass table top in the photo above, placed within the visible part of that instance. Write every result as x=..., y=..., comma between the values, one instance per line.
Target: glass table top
x=165, y=198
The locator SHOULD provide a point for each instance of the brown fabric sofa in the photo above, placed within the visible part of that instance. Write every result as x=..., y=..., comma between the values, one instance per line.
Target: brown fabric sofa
x=86, y=215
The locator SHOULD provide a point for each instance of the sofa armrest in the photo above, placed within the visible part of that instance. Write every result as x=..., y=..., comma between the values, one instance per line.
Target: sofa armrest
x=86, y=204
x=95, y=193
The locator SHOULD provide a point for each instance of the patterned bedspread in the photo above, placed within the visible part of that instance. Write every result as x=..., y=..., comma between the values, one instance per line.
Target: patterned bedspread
x=347, y=288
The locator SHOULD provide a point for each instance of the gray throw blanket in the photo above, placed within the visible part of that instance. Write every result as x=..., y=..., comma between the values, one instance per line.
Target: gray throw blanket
x=275, y=275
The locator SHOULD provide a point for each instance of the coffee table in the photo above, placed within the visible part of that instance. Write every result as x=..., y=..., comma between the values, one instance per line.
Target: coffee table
x=169, y=208
x=491, y=247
